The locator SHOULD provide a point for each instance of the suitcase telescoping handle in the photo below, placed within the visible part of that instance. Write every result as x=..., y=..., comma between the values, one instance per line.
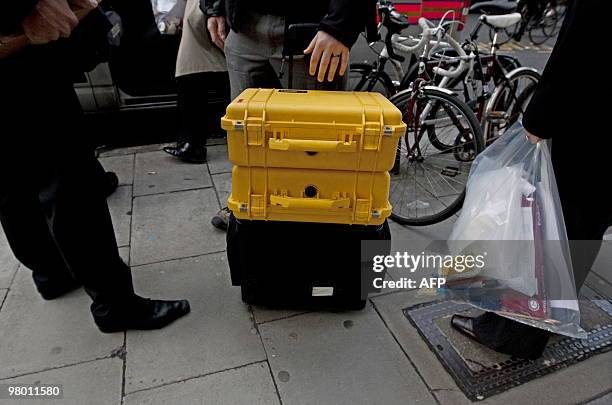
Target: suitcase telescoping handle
x=306, y=145
x=309, y=203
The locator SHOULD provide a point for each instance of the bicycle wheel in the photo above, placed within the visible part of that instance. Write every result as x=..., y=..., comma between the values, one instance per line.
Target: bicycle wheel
x=361, y=78
x=545, y=28
x=509, y=101
x=428, y=185
x=553, y=16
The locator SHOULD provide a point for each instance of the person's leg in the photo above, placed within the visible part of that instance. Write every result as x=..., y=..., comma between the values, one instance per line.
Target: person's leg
x=63, y=175
x=25, y=227
x=80, y=223
x=587, y=216
x=193, y=92
x=108, y=181
x=248, y=56
x=586, y=211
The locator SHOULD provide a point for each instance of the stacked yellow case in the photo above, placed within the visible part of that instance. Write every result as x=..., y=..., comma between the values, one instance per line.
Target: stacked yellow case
x=311, y=156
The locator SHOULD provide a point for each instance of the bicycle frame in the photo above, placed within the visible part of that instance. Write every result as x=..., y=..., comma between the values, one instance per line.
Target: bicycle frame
x=485, y=69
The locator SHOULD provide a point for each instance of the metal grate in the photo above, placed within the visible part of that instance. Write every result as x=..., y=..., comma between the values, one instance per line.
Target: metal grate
x=491, y=377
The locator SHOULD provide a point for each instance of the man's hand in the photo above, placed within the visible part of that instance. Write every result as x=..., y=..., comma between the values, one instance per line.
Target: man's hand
x=86, y=5
x=532, y=138
x=326, y=52
x=216, y=28
x=50, y=20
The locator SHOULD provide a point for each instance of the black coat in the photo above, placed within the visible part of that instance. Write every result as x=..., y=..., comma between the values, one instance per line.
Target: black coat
x=568, y=100
x=570, y=107
x=343, y=19
x=13, y=12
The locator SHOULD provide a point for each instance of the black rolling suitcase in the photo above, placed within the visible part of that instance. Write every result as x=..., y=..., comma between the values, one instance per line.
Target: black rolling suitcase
x=300, y=264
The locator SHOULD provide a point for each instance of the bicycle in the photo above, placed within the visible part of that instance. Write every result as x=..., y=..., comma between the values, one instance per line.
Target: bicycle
x=494, y=86
x=443, y=138
x=494, y=110
x=540, y=19
x=373, y=76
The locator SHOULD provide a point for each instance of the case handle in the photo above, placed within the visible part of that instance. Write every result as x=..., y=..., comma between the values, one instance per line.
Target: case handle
x=306, y=145
x=310, y=203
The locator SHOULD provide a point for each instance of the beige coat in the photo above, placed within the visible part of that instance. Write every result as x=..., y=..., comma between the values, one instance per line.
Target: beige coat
x=197, y=53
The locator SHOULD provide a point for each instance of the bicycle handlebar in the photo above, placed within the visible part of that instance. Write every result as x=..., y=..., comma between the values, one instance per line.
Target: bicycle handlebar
x=390, y=48
x=385, y=13
x=428, y=33
x=464, y=61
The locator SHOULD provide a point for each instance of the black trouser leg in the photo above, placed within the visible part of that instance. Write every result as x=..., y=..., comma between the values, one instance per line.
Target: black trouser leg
x=81, y=225
x=62, y=174
x=587, y=215
x=193, y=104
x=28, y=235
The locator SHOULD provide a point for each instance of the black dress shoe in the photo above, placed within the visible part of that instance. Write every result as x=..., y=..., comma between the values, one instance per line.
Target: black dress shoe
x=465, y=325
x=187, y=152
x=140, y=314
x=51, y=290
x=503, y=335
x=110, y=183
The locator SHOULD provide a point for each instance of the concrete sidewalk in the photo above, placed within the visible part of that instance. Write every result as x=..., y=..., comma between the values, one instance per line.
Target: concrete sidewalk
x=225, y=352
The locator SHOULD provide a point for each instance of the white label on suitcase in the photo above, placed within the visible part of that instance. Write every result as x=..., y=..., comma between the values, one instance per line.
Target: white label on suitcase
x=322, y=291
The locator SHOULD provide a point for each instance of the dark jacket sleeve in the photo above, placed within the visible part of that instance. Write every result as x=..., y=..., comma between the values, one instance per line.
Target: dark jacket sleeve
x=347, y=18
x=562, y=96
x=13, y=12
x=213, y=8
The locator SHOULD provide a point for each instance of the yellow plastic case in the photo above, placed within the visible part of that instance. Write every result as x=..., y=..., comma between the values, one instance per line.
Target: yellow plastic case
x=313, y=129
x=328, y=196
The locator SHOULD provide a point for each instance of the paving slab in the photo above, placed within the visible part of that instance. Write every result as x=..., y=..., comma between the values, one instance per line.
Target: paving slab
x=223, y=185
x=439, y=231
x=174, y=225
x=103, y=153
x=602, y=400
x=263, y=314
x=218, y=334
x=36, y=335
x=8, y=263
x=157, y=172
x=573, y=385
x=250, y=384
x=124, y=252
x=340, y=358
x=217, y=159
x=120, y=206
x=123, y=165
x=416, y=239
x=92, y=383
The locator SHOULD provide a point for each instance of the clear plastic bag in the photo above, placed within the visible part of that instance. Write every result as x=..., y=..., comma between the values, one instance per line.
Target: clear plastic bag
x=512, y=218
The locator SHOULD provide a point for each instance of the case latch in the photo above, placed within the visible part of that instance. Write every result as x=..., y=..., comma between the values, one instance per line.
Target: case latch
x=363, y=209
x=258, y=207
x=254, y=131
x=371, y=136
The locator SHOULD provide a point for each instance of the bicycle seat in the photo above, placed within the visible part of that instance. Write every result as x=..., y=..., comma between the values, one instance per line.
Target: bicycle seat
x=501, y=21
x=495, y=7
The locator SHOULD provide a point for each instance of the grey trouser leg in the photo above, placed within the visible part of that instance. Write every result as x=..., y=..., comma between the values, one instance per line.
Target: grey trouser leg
x=254, y=58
